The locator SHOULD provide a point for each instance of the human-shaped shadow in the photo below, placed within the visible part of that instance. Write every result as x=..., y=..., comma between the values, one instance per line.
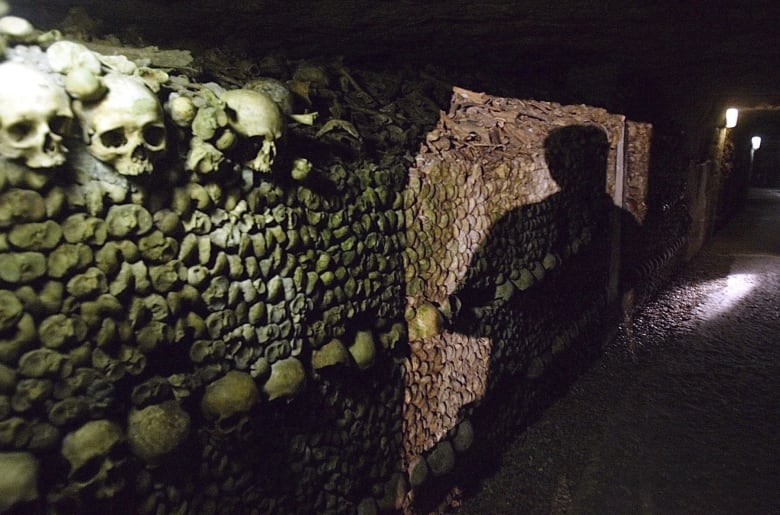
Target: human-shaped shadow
x=538, y=289
x=562, y=241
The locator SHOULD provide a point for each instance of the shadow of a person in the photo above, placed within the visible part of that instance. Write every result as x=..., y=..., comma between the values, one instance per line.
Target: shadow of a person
x=565, y=236
x=539, y=289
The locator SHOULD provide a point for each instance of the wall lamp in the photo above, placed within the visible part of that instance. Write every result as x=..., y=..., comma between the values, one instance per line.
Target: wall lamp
x=755, y=142
x=732, y=114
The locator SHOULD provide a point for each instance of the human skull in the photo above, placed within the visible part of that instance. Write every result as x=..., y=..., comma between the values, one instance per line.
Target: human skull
x=95, y=451
x=228, y=400
x=125, y=128
x=254, y=115
x=157, y=430
x=34, y=115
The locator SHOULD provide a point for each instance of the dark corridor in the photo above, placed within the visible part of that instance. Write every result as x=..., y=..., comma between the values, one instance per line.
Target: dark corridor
x=274, y=307
x=686, y=423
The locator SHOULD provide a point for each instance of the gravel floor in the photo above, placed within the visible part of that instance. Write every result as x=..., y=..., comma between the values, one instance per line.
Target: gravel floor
x=686, y=418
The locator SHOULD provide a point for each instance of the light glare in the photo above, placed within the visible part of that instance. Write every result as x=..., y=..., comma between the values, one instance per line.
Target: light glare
x=732, y=114
x=725, y=296
x=755, y=142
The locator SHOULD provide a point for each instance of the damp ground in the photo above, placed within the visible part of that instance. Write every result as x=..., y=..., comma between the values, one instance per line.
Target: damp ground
x=684, y=419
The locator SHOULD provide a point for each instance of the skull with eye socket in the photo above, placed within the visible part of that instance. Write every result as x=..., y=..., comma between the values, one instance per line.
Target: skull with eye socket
x=35, y=114
x=96, y=452
x=126, y=127
x=255, y=116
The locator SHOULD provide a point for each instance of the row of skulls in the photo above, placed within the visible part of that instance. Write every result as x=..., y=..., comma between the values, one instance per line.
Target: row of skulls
x=121, y=117
x=124, y=127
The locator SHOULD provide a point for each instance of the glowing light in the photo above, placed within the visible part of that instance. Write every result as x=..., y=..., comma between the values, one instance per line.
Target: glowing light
x=732, y=114
x=755, y=142
x=737, y=287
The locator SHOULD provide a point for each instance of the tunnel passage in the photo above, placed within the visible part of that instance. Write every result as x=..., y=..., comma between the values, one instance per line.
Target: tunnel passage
x=222, y=316
x=746, y=157
x=757, y=167
x=685, y=422
x=284, y=330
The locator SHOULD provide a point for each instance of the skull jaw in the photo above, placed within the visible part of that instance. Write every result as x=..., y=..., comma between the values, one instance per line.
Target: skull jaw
x=133, y=166
x=45, y=160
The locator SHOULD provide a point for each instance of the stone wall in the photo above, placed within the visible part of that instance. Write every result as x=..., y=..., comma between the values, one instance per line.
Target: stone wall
x=326, y=317
x=232, y=332
x=195, y=320
x=508, y=264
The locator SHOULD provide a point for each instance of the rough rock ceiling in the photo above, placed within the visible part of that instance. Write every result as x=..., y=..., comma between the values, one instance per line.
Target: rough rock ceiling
x=697, y=52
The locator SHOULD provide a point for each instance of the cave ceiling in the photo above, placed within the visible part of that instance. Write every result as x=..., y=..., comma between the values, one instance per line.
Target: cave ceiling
x=726, y=50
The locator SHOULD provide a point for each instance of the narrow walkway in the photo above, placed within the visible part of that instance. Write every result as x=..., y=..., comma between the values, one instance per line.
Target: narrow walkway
x=692, y=424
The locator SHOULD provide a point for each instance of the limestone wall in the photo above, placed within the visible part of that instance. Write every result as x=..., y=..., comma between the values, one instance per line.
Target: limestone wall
x=508, y=262
x=233, y=333
x=197, y=318
x=325, y=317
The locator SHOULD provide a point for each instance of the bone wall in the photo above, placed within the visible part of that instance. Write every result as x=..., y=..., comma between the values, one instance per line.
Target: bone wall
x=508, y=261
x=129, y=306
x=635, y=195
x=198, y=332
x=235, y=320
x=338, y=330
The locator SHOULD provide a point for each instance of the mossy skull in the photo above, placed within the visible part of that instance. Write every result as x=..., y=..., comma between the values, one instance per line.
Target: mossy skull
x=19, y=480
x=157, y=430
x=95, y=451
x=227, y=400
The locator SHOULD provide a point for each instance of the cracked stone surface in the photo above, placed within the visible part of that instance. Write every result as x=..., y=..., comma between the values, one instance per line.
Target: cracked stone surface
x=683, y=419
